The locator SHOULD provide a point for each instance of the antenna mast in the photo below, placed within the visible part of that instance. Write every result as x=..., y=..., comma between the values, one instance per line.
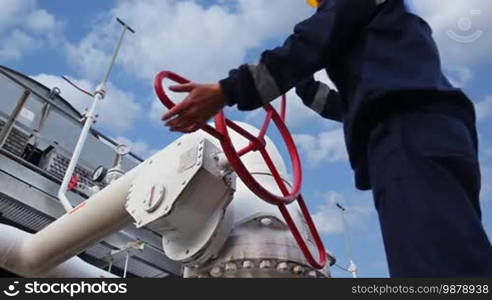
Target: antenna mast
x=90, y=117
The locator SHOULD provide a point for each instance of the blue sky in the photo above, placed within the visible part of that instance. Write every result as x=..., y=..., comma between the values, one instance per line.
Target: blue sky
x=202, y=40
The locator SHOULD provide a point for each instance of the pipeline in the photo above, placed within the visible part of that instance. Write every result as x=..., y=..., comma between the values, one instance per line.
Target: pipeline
x=13, y=259
x=51, y=252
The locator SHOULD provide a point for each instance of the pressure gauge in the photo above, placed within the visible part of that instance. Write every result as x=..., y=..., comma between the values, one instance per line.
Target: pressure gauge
x=122, y=150
x=99, y=174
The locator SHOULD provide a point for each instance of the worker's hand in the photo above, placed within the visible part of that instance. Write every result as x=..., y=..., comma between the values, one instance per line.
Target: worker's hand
x=202, y=103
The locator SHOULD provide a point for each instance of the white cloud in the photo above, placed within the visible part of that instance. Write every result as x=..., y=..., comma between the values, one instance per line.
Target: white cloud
x=156, y=111
x=89, y=56
x=117, y=112
x=15, y=44
x=41, y=21
x=202, y=43
x=458, y=75
x=24, y=28
x=326, y=146
x=12, y=10
x=328, y=217
x=484, y=108
x=139, y=147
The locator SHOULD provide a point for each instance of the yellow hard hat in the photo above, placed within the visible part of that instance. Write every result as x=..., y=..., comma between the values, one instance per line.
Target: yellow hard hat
x=313, y=3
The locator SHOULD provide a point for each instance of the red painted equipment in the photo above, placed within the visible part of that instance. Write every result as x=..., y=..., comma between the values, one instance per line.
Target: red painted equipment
x=74, y=182
x=258, y=143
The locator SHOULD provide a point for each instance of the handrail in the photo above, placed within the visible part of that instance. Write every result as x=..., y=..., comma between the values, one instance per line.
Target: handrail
x=90, y=118
x=5, y=132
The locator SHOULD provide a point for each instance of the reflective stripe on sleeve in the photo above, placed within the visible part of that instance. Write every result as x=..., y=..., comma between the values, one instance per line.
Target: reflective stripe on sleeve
x=320, y=98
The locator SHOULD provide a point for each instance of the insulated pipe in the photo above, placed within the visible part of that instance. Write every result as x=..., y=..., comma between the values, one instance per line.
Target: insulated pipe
x=91, y=221
x=11, y=241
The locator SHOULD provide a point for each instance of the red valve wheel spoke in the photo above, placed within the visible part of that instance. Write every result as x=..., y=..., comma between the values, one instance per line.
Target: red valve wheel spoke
x=266, y=123
x=246, y=150
x=276, y=175
x=322, y=255
x=210, y=130
x=242, y=171
x=290, y=222
x=241, y=131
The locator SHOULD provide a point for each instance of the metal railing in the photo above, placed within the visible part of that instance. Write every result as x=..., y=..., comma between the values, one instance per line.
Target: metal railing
x=63, y=111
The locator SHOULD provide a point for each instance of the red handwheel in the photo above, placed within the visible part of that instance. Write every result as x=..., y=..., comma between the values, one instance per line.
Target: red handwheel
x=258, y=143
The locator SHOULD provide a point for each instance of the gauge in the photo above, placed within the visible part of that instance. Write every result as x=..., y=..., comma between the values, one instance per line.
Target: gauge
x=99, y=174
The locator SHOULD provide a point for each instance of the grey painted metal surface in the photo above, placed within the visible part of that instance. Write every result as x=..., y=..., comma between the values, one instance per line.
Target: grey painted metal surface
x=13, y=84
x=7, y=128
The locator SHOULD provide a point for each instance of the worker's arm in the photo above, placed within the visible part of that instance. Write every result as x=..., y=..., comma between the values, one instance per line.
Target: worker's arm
x=321, y=99
x=315, y=43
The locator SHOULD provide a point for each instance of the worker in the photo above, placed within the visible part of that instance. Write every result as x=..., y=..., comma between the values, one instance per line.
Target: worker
x=410, y=135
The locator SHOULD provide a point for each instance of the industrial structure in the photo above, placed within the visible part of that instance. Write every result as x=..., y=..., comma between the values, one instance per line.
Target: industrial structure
x=39, y=130
x=182, y=212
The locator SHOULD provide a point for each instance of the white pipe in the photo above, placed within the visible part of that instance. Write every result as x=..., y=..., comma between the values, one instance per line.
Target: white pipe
x=90, y=117
x=41, y=253
x=11, y=241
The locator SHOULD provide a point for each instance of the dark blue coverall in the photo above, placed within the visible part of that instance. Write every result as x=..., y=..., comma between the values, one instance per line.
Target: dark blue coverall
x=410, y=135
